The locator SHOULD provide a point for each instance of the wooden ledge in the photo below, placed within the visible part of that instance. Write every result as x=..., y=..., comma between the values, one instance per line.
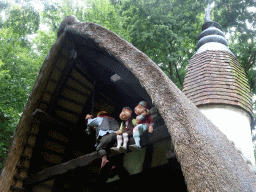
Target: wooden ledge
x=159, y=134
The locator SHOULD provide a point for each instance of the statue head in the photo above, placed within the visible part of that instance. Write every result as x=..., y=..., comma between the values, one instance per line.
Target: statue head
x=141, y=107
x=126, y=114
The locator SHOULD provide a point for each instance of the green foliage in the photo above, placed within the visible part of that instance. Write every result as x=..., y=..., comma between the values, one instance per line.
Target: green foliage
x=18, y=69
x=105, y=14
x=22, y=20
x=166, y=30
x=43, y=42
x=101, y=12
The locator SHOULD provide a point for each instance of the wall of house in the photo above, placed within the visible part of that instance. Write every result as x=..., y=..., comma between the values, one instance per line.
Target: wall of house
x=235, y=124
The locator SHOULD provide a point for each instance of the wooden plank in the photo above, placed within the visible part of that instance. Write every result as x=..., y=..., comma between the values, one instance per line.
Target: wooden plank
x=31, y=133
x=54, y=147
x=51, y=157
x=43, y=105
x=46, y=186
x=18, y=177
x=28, y=145
x=56, y=74
x=61, y=169
x=66, y=114
x=70, y=106
x=81, y=71
x=22, y=167
x=51, y=86
x=58, y=136
x=79, y=77
x=43, y=116
x=14, y=188
x=71, y=100
x=73, y=82
x=159, y=134
x=73, y=94
x=61, y=85
x=73, y=86
x=46, y=97
x=25, y=156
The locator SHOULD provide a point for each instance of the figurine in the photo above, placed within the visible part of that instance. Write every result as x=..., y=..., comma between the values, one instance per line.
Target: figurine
x=106, y=128
x=126, y=129
x=144, y=123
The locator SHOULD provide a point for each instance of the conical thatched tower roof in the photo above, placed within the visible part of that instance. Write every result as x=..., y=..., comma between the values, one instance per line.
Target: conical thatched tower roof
x=214, y=75
x=216, y=83
x=82, y=53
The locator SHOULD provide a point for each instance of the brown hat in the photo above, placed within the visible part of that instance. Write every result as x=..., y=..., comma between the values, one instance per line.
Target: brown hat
x=101, y=112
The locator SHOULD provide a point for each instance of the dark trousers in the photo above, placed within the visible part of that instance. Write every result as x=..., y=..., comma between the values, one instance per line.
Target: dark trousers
x=105, y=143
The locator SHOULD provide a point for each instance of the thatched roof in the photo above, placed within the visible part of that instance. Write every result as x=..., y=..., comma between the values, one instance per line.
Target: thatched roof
x=214, y=75
x=209, y=161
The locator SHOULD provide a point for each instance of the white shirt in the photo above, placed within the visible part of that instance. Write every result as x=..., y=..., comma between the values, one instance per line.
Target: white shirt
x=95, y=122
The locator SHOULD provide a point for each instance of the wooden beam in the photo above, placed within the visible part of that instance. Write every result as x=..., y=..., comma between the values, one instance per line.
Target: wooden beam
x=66, y=73
x=61, y=169
x=14, y=188
x=159, y=134
x=44, y=117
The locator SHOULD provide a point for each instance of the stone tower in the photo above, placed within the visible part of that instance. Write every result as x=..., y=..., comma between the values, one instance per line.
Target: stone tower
x=216, y=83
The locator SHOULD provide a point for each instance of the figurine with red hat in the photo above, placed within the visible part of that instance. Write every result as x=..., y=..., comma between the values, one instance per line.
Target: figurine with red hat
x=106, y=128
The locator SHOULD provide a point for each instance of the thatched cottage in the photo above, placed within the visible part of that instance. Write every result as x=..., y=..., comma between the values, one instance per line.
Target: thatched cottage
x=51, y=152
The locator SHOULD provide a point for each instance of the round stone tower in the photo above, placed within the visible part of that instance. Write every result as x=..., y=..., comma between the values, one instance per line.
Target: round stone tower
x=216, y=83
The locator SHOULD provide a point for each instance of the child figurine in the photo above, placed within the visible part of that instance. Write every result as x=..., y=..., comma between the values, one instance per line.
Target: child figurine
x=126, y=128
x=144, y=122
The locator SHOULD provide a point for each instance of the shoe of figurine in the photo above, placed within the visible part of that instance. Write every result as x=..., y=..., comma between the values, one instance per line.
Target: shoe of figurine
x=123, y=149
x=134, y=147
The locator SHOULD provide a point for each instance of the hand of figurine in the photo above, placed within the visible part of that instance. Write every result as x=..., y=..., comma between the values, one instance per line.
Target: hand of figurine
x=150, y=129
x=137, y=119
x=146, y=112
x=118, y=132
x=88, y=116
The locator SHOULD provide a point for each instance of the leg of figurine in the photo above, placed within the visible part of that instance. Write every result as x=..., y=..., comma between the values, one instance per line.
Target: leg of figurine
x=142, y=128
x=137, y=132
x=104, y=161
x=136, y=136
x=126, y=139
x=106, y=142
x=119, y=141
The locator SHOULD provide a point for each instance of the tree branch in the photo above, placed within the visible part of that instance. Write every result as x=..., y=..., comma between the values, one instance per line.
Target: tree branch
x=178, y=75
